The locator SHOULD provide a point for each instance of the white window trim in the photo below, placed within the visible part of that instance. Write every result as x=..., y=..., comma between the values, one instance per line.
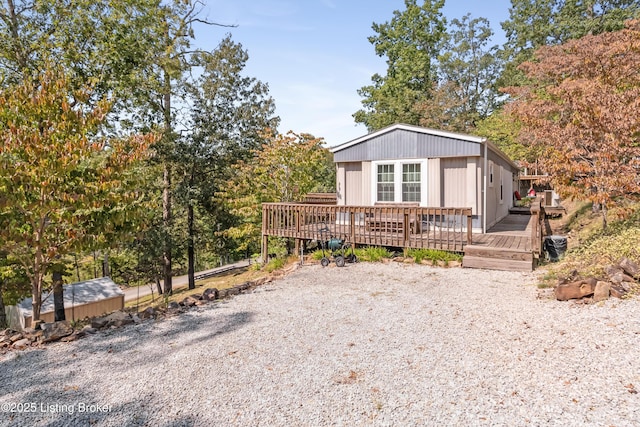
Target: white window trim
x=397, y=179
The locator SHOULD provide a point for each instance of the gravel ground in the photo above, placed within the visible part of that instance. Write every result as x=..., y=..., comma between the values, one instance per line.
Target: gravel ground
x=368, y=344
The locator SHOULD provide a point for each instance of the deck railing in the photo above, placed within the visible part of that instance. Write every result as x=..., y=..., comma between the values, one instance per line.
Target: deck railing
x=537, y=228
x=393, y=226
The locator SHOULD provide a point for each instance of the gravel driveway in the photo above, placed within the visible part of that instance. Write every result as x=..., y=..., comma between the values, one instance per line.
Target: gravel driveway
x=368, y=344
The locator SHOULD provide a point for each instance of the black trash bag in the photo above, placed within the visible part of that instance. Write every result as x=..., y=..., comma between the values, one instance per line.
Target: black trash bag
x=555, y=247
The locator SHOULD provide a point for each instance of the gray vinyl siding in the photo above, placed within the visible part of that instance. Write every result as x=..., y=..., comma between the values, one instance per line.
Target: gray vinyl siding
x=404, y=144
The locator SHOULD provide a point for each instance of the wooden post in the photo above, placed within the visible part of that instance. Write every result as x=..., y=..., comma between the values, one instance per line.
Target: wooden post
x=469, y=228
x=352, y=227
x=265, y=236
x=536, y=231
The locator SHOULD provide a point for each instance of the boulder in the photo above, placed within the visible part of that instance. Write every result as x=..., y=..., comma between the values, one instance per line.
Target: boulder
x=617, y=275
x=87, y=329
x=222, y=293
x=15, y=337
x=148, y=313
x=601, y=291
x=118, y=319
x=210, y=294
x=189, y=301
x=56, y=330
x=22, y=343
x=630, y=268
x=617, y=291
x=233, y=291
x=173, y=306
x=70, y=338
x=574, y=290
x=244, y=286
x=99, y=322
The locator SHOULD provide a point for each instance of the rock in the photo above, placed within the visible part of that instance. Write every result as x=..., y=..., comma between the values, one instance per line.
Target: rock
x=233, y=291
x=210, y=294
x=99, y=322
x=37, y=324
x=573, y=290
x=56, y=330
x=33, y=336
x=442, y=263
x=409, y=260
x=189, y=301
x=601, y=291
x=617, y=275
x=148, y=313
x=244, y=286
x=222, y=293
x=617, y=291
x=629, y=267
x=22, y=343
x=173, y=306
x=118, y=319
x=197, y=296
x=426, y=262
x=398, y=259
x=87, y=329
x=70, y=338
x=15, y=337
x=454, y=264
x=261, y=281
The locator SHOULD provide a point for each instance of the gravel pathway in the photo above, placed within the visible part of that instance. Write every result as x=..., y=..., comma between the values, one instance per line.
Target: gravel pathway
x=365, y=345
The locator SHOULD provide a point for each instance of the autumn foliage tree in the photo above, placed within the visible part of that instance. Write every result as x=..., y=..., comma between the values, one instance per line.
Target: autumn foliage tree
x=61, y=183
x=581, y=109
x=285, y=169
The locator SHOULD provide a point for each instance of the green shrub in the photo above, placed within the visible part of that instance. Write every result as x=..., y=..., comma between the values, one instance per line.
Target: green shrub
x=318, y=255
x=372, y=253
x=433, y=255
x=274, y=264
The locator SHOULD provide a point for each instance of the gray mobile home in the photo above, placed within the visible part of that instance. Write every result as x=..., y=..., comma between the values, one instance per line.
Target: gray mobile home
x=417, y=166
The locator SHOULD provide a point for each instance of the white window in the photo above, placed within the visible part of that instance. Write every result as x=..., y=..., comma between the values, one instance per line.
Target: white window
x=411, y=182
x=398, y=182
x=385, y=183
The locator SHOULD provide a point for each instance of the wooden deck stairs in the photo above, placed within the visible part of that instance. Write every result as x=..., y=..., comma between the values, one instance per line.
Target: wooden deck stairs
x=506, y=246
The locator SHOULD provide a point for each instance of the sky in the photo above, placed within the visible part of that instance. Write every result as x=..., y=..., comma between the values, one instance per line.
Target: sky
x=315, y=54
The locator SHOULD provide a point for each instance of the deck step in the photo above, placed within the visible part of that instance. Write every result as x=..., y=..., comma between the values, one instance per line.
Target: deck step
x=470, y=261
x=488, y=252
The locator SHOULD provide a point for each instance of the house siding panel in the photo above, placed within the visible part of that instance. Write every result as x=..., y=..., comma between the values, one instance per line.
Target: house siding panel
x=353, y=184
x=404, y=144
x=454, y=182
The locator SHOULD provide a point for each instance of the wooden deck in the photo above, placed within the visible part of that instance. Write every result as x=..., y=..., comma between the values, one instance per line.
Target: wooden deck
x=513, y=244
x=506, y=246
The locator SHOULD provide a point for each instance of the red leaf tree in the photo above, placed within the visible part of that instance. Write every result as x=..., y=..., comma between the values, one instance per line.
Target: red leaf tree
x=581, y=109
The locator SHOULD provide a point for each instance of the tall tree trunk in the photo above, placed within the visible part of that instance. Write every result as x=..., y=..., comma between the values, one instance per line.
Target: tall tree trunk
x=36, y=286
x=3, y=314
x=158, y=286
x=58, y=296
x=191, y=246
x=605, y=220
x=166, y=218
x=106, y=271
x=166, y=194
